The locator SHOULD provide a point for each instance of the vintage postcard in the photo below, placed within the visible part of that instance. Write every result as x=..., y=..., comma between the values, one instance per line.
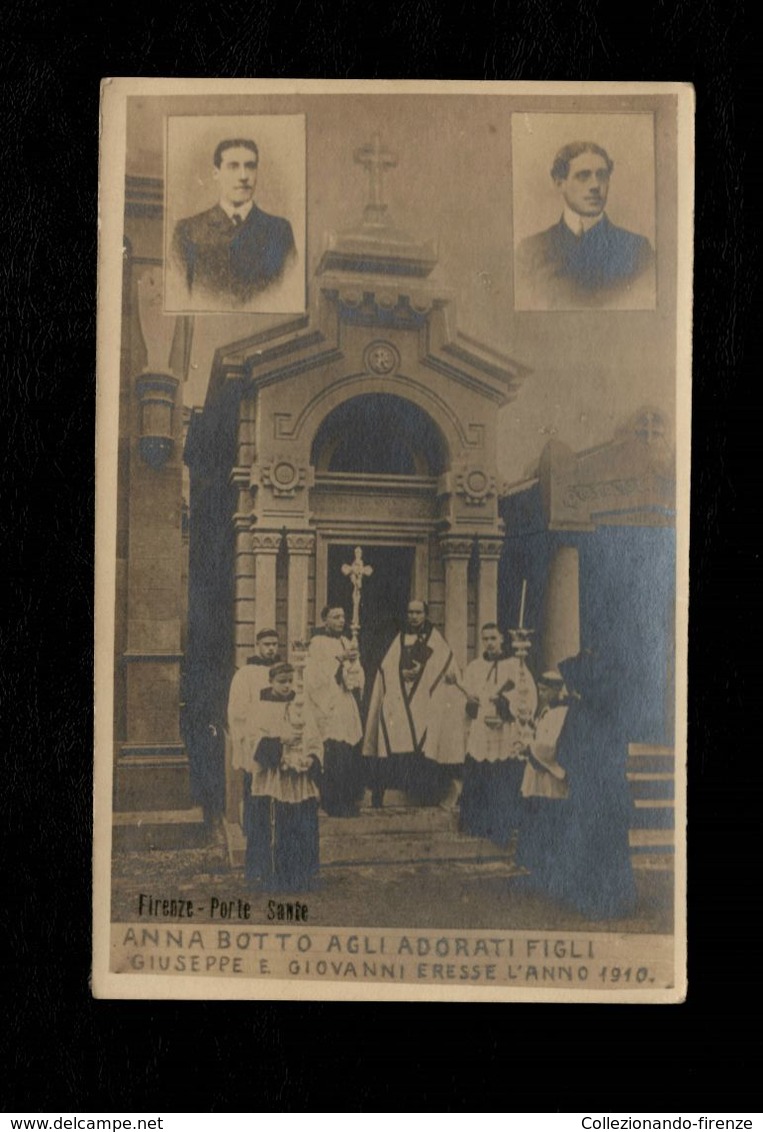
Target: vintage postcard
x=392, y=562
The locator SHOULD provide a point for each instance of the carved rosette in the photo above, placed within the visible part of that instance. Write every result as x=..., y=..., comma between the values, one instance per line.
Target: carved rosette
x=300, y=544
x=381, y=358
x=266, y=542
x=455, y=546
x=283, y=476
x=475, y=486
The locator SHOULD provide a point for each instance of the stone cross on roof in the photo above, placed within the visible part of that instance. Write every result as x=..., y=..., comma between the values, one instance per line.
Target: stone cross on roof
x=375, y=160
x=650, y=427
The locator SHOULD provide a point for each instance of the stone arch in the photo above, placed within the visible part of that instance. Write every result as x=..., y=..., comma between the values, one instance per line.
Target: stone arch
x=379, y=433
x=445, y=420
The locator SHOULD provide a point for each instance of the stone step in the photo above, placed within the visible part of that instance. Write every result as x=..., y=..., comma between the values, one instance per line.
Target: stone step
x=393, y=838
x=379, y=848
x=391, y=819
x=159, y=829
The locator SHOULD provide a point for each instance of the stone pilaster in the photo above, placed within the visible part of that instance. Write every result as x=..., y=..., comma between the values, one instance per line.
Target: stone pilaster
x=245, y=599
x=487, y=586
x=300, y=546
x=265, y=545
x=456, y=552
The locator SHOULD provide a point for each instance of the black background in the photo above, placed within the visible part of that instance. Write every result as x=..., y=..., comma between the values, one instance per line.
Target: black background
x=68, y=1052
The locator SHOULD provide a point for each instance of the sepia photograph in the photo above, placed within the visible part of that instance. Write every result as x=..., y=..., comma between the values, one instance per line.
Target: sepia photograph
x=584, y=211
x=227, y=247
x=392, y=572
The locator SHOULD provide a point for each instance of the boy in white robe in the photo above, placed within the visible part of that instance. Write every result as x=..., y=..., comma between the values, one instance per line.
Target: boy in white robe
x=334, y=681
x=495, y=758
x=544, y=777
x=282, y=816
x=244, y=697
x=545, y=787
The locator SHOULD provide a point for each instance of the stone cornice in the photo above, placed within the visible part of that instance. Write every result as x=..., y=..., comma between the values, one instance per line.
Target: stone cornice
x=311, y=341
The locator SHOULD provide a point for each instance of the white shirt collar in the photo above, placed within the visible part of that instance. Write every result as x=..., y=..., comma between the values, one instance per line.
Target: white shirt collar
x=241, y=210
x=579, y=224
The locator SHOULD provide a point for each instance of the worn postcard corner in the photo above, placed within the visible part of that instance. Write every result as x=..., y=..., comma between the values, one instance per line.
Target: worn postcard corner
x=392, y=560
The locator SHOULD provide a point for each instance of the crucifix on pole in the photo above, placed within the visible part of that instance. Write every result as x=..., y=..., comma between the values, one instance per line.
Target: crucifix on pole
x=356, y=571
x=375, y=160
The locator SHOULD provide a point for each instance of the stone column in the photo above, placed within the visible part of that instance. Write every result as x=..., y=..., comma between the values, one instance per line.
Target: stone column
x=487, y=589
x=561, y=633
x=244, y=600
x=265, y=545
x=300, y=545
x=456, y=553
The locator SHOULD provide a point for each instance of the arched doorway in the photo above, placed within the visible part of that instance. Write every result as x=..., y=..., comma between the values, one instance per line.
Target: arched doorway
x=379, y=434
x=378, y=459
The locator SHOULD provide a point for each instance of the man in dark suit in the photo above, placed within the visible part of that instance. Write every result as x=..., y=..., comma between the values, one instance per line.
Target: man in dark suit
x=233, y=250
x=584, y=260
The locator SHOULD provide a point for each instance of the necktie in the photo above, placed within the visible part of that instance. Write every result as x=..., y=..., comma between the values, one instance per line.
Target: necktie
x=237, y=221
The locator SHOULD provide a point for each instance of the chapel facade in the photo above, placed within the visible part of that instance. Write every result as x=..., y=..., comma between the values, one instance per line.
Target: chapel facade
x=371, y=422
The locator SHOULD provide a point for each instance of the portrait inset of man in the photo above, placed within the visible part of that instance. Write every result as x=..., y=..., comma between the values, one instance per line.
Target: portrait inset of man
x=233, y=255
x=584, y=260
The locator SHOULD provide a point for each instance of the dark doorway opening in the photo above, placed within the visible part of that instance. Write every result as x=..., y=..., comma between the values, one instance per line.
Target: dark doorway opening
x=379, y=434
x=385, y=596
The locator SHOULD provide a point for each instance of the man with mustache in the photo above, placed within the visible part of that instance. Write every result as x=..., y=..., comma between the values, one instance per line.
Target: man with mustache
x=234, y=250
x=584, y=260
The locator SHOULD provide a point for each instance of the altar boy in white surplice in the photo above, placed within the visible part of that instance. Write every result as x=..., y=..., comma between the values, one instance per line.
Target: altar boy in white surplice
x=334, y=682
x=495, y=746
